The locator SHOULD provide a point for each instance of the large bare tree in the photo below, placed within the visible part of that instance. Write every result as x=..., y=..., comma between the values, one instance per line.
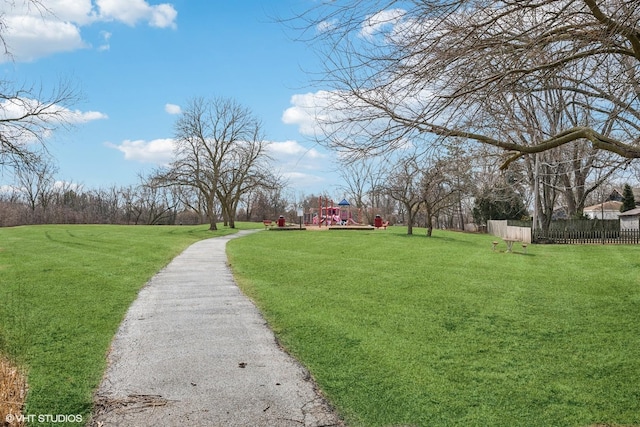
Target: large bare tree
x=399, y=69
x=219, y=153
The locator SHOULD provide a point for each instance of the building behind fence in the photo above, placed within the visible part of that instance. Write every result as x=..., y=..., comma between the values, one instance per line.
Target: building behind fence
x=566, y=232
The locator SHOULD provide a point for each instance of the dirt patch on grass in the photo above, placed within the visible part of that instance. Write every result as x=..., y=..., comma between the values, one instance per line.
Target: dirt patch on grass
x=13, y=391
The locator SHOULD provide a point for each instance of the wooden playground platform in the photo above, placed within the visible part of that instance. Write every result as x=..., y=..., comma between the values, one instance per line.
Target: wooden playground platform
x=350, y=227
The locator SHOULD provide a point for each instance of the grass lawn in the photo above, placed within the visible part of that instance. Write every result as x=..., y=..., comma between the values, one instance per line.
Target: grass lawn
x=442, y=331
x=63, y=292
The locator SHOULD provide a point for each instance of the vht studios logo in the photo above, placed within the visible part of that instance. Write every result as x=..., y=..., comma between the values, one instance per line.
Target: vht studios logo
x=43, y=418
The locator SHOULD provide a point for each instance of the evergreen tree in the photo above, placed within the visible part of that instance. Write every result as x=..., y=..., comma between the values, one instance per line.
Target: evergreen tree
x=502, y=203
x=628, y=201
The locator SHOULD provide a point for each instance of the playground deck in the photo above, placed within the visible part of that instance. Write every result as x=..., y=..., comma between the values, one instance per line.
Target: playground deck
x=351, y=227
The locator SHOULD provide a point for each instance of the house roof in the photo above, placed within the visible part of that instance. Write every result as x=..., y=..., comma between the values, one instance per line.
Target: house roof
x=631, y=212
x=616, y=194
x=606, y=206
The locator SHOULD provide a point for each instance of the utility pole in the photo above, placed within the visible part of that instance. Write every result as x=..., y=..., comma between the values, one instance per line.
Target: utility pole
x=536, y=185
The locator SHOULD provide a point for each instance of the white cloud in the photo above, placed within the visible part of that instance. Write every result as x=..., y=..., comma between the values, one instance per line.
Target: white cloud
x=378, y=21
x=163, y=16
x=106, y=36
x=131, y=12
x=293, y=148
x=77, y=116
x=77, y=11
x=31, y=37
x=325, y=26
x=172, y=109
x=305, y=182
x=37, y=31
x=308, y=111
x=48, y=118
x=66, y=185
x=303, y=168
x=8, y=190
x=52, y=114
x=157, y=151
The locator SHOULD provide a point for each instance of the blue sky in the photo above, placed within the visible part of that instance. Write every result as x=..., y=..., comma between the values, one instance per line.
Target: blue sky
x=136, y=62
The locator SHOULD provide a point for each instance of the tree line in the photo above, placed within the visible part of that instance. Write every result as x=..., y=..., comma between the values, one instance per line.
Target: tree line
x=440, y=110
x=455, y=190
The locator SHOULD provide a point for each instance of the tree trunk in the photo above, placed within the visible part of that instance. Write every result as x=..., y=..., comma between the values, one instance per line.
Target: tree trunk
x=211, y=214
x=410, y=218
x=429, y=223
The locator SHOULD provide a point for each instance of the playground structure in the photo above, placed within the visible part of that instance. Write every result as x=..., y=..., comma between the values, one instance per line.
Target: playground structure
x=330, y=215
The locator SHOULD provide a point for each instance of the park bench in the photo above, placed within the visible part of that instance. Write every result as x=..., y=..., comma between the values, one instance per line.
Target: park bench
x=267, y=223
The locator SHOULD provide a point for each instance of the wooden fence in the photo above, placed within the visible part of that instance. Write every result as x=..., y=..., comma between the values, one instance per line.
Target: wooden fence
x=501, y=228
x=604, y=237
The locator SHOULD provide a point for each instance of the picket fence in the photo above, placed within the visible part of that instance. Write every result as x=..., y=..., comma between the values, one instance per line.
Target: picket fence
x=567, y=232
x=605, y=237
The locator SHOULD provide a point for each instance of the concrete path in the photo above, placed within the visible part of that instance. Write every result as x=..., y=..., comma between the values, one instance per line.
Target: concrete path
x=194, y=351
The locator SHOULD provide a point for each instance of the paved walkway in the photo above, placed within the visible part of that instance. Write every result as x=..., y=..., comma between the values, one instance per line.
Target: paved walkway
x=194, y=351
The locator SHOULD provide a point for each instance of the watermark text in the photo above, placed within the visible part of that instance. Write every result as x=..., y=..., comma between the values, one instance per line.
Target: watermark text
x=43, y=418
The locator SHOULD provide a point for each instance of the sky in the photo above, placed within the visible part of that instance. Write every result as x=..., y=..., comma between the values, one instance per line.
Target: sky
x=137, y=63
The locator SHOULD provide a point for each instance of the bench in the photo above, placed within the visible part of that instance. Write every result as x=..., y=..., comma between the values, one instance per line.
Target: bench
x=267, y=223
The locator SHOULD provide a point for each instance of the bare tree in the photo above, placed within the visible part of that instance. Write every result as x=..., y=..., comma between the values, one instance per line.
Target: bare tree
x=439, y=189
x=28, y=114
x=404, y=185
x=459, y=175
x=219, y=145
x=154, y=203
x=191, y=202
x=402, y=69
x=36, y=183
x=362, y=181
x=564, y=173
x=245, y=169
x=27, y=117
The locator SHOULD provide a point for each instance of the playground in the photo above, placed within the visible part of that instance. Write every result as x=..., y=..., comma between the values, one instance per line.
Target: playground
x=328, y=216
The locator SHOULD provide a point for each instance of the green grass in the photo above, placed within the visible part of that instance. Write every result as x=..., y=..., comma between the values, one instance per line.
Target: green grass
x=63, y=292
x=441, y=331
